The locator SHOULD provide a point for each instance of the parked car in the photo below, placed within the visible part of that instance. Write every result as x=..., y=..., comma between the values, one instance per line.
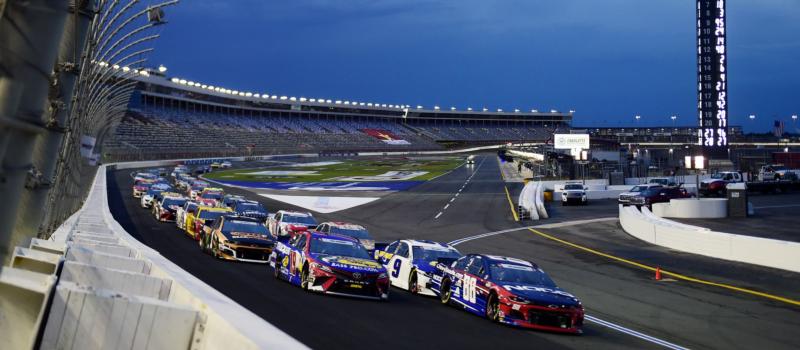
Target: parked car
x=775, y=172
x=717, y=184
x=625, y=197
x=659, y=195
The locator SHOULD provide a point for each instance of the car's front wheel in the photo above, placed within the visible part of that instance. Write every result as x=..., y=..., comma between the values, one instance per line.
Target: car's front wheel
x=493, y=308
x=445, y=292
x=413, y=287
x=305, y=279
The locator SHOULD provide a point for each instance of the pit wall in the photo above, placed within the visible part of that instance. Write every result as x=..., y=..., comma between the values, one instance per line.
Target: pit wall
x=650, y=228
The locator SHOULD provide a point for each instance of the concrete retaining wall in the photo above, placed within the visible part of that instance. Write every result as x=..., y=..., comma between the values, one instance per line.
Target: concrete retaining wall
x=697, y=240
x=693, y=208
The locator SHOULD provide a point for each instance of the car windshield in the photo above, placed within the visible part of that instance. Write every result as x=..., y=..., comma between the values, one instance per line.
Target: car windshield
x=573, y=187
x=210, y=215
x=299, y=219
x=431, y=254
x=359, y=233
x=340, y=247
x=716, y=176
x=249, y=206
x=639, y=188
x=514, y=273
x=244, y=226
x=174, y=201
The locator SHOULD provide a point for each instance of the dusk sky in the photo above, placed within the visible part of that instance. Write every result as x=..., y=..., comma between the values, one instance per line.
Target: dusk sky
x=608, y=60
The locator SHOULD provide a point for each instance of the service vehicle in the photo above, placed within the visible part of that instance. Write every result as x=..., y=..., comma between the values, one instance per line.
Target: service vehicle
x=285, y=223
x=410, y=263
x=509, y=291
x=215, y=165
x=330, y=264
x=166, y=209
x=251, y=209
x=659, y=195
x=346, y=229
x=663, y=181
x=471, y=159
x=183, y=213
x=717, y=184
x=625, y=197
x=204, y=216
x=776, y=172
x=574, y=193
x=232, y=237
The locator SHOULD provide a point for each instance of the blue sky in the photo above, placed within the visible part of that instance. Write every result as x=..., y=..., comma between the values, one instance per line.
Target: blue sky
x=608, y=60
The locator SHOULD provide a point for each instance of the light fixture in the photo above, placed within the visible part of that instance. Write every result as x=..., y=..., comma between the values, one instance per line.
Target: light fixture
x=162, y=69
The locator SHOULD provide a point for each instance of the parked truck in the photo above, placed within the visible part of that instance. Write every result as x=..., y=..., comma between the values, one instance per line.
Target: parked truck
x=717, y=184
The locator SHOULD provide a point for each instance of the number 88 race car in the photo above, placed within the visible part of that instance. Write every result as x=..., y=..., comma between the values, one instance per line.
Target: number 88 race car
x=410, y=263
x=330, y=264
x=508, y=290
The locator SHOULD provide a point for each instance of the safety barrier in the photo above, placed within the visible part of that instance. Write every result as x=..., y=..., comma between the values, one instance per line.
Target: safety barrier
x=115, y=292
x=531, y=202
x=696, y=208
x=650, y=228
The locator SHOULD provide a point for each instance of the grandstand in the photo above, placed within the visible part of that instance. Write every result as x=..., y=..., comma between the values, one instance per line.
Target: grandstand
x=173, y=118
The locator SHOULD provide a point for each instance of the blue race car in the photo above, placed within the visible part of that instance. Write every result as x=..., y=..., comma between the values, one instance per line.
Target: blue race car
x=330, y=264
x=251, y=209
x=507, y=290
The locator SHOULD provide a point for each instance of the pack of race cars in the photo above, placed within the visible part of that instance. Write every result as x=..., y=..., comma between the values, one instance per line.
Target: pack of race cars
x=343, y=259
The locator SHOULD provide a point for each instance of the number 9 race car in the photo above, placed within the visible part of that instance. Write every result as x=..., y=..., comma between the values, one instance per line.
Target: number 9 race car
x=508, y=290
x=329, y=264
x=410, y=263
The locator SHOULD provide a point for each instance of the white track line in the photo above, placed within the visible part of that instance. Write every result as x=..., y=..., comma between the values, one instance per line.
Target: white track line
x=438, y=215
x=634, y=333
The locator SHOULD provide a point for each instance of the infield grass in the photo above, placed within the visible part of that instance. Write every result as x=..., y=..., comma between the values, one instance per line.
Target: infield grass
x=432, y=167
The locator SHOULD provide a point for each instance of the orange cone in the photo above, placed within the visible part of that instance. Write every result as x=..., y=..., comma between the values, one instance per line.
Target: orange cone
x=658, y=273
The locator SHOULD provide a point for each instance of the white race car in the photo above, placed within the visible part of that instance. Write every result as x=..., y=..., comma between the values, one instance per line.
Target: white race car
x=410, y=263
x=279, y=224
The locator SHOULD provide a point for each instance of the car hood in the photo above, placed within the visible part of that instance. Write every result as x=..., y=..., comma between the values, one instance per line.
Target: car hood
x=349, y=264
x=542, y=295
x=630, y=194
x=247, y=237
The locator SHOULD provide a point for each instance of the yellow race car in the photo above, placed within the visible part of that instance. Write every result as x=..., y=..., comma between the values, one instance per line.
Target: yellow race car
x=203, y=216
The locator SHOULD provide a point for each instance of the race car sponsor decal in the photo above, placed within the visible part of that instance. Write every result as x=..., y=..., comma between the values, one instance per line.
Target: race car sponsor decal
x=256, y=236
x=285, y=261
x=284, y=249
x=537, y=289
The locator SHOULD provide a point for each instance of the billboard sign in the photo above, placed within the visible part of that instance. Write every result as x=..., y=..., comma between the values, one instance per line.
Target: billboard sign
x=571, y=141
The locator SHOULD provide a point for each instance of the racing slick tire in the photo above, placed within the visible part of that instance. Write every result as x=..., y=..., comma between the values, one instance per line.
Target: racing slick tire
x=413, y=287
x=276, y=272
x=214, y=248
x=445, y=292
x=203, y=246
x=493, y=308
x=304, y=279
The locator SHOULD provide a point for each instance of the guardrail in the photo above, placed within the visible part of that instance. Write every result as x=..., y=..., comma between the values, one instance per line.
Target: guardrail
x=650, y=228
x=115, y=292
x=531, y=202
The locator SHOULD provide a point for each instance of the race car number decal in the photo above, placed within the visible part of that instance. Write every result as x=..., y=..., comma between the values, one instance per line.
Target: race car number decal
x=468, y=285
x=396, y=268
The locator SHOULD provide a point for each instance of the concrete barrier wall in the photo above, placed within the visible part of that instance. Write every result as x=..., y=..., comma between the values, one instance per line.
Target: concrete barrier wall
x=693, y=208
x=670, y=234
x=109, y=271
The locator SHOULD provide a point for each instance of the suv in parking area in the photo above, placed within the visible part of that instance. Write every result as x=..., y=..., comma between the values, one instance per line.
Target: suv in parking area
x=659, y=195
x=573, y=193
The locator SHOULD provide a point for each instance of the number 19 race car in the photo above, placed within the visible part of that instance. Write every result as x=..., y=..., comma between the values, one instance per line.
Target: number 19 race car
x=329, y=264
x=508, y=290
x=410, y=263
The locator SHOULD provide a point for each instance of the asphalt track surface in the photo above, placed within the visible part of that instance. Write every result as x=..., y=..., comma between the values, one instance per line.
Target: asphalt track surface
x=688, y=314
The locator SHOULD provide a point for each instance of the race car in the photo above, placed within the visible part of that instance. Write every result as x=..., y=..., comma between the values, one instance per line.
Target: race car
x=225, y=165
x=285, y=222
x=166, y=209
x=144, y=176
x=232, y=237
x=251, y=209
x=183, y=213
x=230, y=199
x=206, y=202
x=204, y=216
x=507, y=290
x=330, y=264
x=356, y=231
x=146, y=200
x=140, y=187
x=410, y=263
x=195, y=188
